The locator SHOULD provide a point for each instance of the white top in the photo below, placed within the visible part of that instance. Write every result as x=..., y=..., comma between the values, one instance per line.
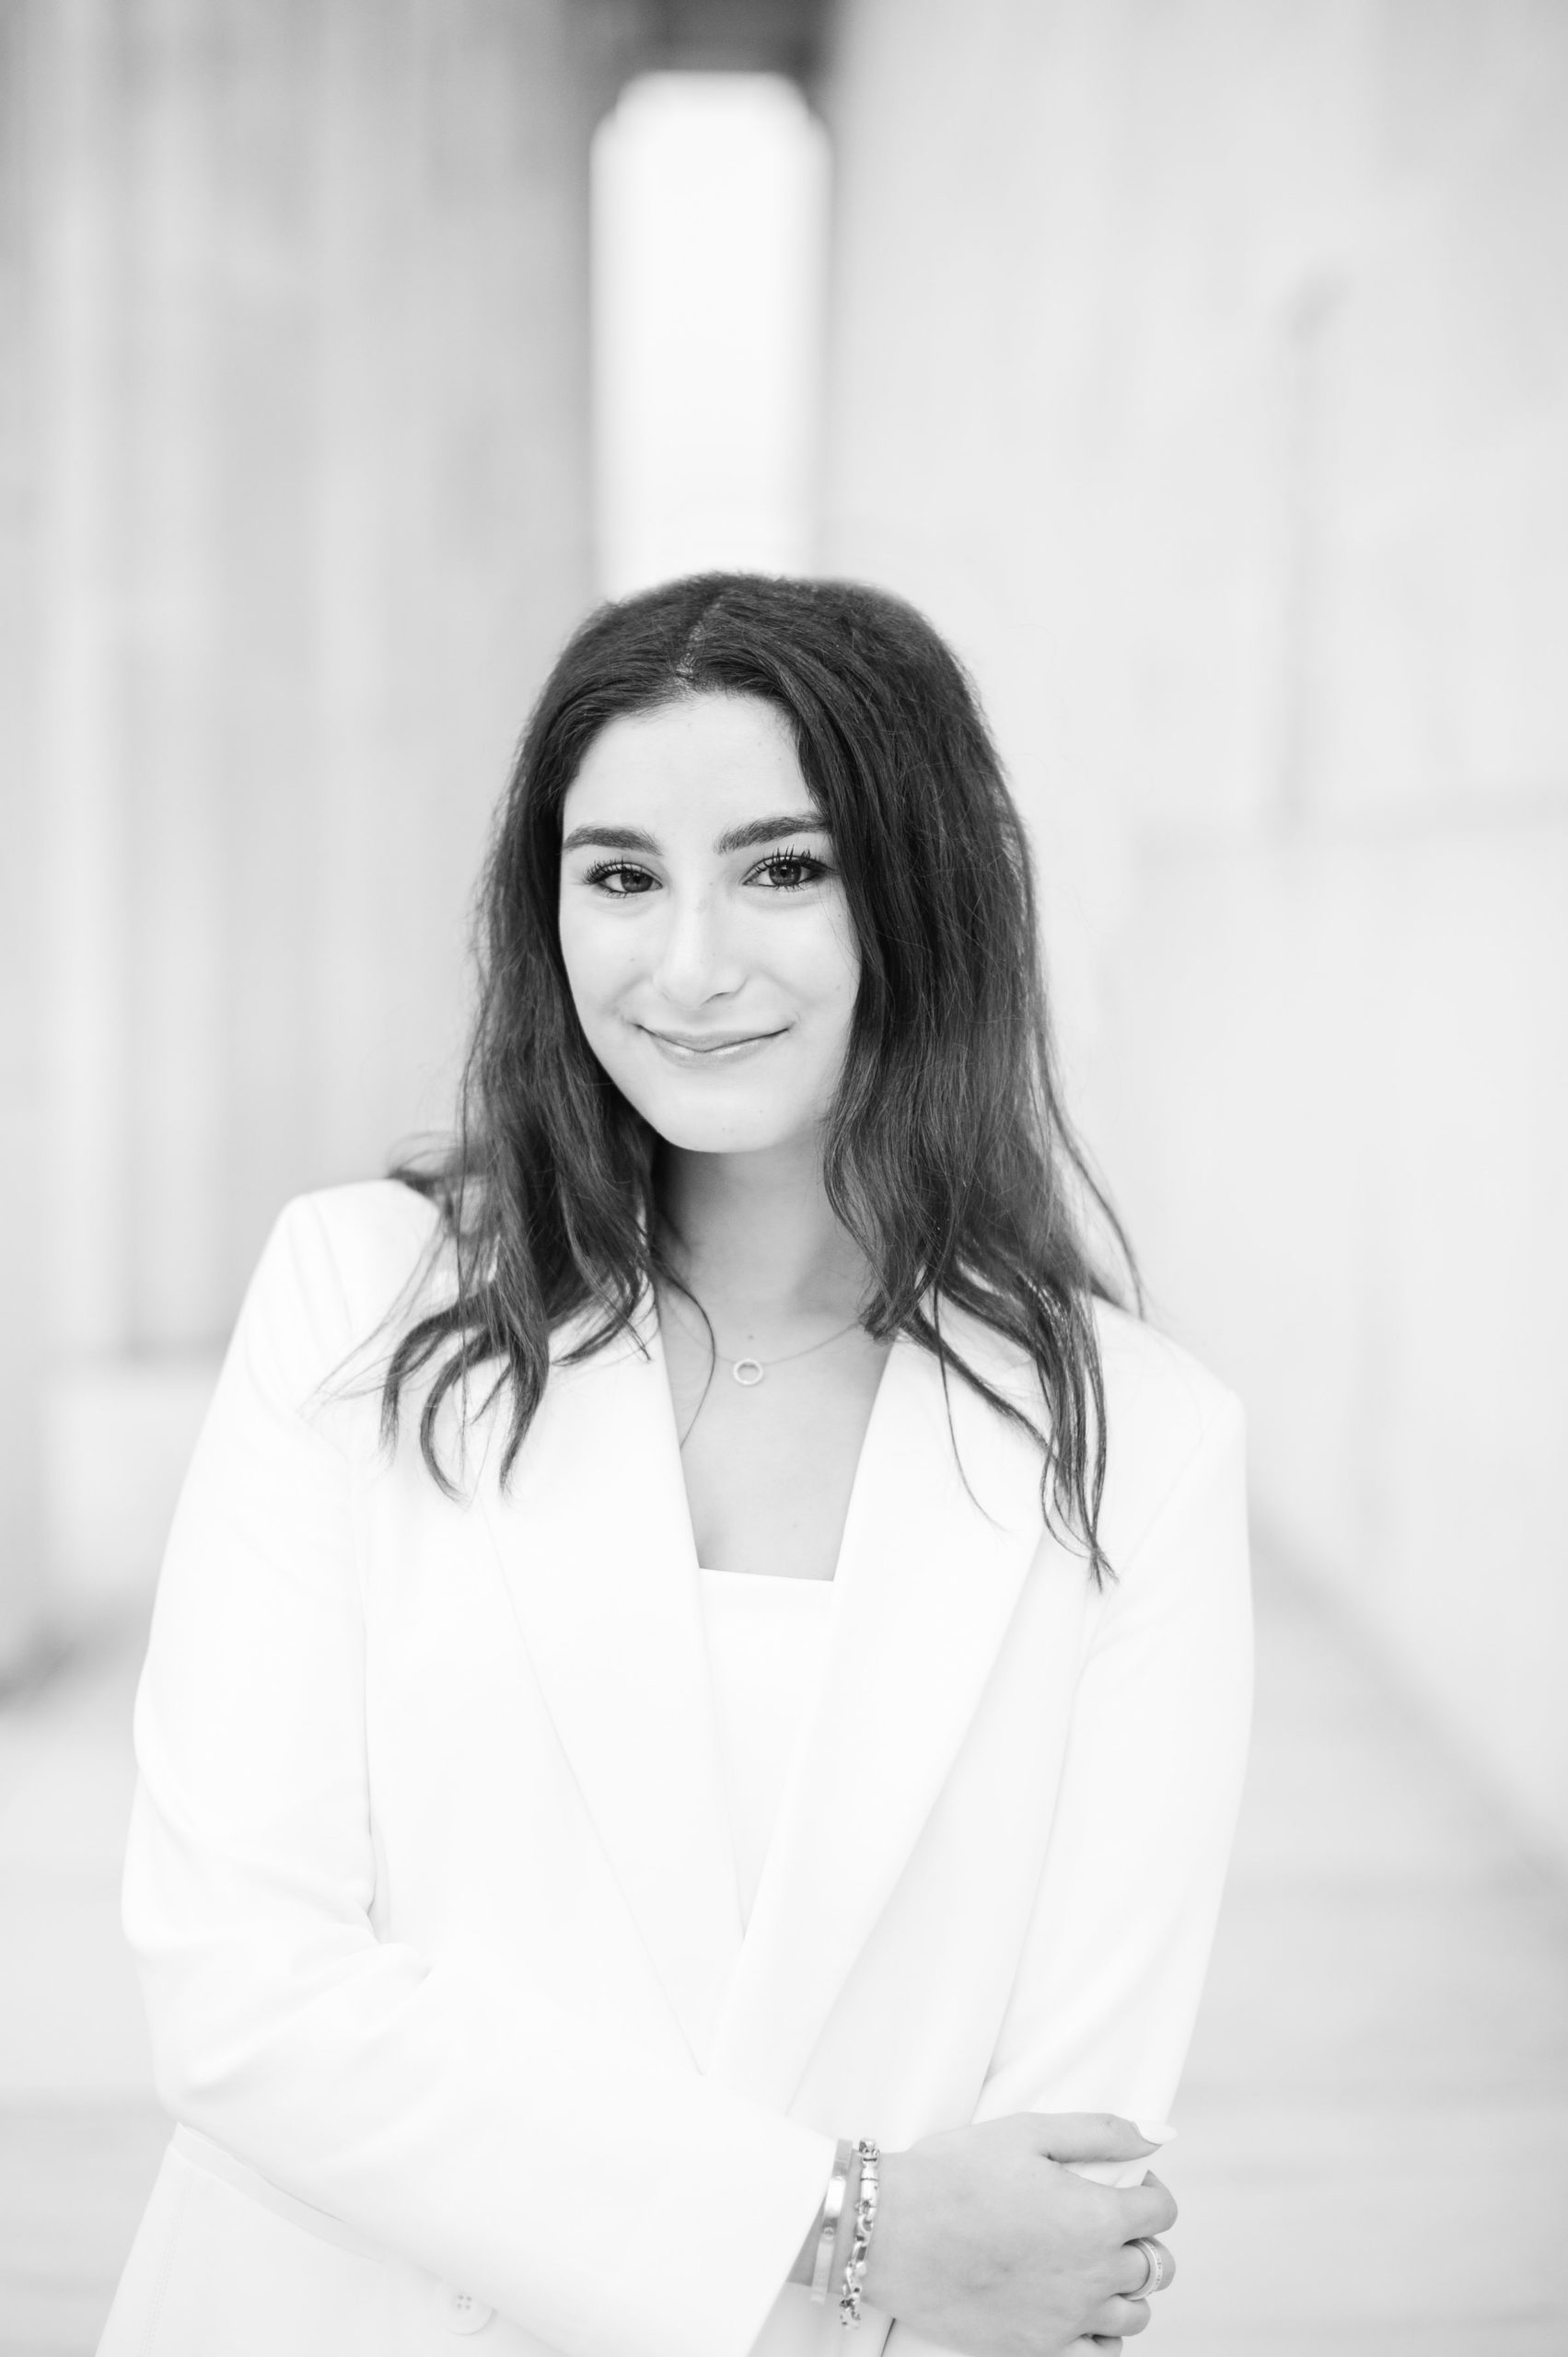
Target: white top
x=767, y=1642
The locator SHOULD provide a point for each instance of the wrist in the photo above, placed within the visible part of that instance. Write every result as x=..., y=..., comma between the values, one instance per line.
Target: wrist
x=819, y=2252
x=863, y=2217
x=876, y=2281
x=835, y=2261
x=844, y=2238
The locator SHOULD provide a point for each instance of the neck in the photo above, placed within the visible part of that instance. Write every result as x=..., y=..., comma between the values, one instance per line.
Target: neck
x=755, y=1237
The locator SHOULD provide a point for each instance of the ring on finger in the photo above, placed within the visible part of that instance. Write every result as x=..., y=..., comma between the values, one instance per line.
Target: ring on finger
x=1155, y=2275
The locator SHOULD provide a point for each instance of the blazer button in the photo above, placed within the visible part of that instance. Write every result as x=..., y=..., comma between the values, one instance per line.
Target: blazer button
x=460, y=2311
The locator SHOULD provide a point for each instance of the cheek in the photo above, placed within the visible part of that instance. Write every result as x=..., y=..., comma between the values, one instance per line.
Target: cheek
x=828, y=966
x=591, y=962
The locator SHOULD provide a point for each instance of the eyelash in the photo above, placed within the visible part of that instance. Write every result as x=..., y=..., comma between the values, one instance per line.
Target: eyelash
x=805, y=859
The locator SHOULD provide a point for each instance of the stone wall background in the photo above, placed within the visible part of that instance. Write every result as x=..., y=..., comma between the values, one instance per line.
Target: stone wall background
x=298, y=453
x=1202, y=366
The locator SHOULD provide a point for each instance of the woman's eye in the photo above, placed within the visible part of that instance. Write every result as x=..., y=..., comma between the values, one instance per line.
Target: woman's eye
x=597, y=876
x=802, y=860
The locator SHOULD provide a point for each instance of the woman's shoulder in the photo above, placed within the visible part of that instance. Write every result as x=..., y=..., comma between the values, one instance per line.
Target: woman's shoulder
x=1166, y=1415
x=341, y=1261
x=1152, y=1380
x=374, y=1232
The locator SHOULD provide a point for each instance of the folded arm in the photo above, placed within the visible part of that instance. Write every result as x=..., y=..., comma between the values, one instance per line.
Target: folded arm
x=414, y=2097
x=1106, y=1990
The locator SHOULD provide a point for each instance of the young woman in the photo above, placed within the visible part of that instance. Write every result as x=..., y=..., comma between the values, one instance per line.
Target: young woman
x=698, y=1694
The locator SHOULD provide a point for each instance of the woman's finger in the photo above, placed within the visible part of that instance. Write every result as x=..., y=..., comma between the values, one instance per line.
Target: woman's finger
x=1149, y=2208
x=1116, y=2319
x=1087, y=2136
x=1135, y=2267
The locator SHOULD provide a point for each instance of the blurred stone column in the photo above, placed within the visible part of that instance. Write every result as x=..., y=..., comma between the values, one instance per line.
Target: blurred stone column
x=300, y=292
x=22, y=1126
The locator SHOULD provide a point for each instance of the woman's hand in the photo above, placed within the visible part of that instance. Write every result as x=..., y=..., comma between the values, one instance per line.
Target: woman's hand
x=984, y=2243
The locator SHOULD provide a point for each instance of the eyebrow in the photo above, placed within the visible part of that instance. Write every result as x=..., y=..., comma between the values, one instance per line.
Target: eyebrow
x=760, y=831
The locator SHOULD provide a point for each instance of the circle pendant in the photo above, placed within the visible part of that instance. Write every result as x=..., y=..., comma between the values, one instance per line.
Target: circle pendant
x=747, y=1372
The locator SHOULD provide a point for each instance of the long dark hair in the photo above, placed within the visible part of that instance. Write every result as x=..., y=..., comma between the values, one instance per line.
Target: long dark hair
x=946, y=1154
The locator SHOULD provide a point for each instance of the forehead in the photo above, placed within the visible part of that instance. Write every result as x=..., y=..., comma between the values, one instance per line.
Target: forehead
x=731, y=749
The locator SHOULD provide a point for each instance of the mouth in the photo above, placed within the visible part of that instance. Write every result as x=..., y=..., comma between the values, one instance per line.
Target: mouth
x=693, y=1047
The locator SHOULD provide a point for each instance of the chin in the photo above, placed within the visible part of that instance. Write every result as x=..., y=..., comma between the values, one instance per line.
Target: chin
x=693, y=1135
x=711, y=1129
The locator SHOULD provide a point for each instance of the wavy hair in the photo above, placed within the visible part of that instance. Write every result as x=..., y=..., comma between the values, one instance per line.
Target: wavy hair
x=946, y=1154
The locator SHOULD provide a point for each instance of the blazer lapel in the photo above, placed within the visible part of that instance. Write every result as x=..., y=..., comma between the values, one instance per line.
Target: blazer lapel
x=594, y=1535
x=595, y=1540
x=927, y=1587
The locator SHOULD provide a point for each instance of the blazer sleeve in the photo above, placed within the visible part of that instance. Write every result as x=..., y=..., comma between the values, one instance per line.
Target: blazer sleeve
x=520, y=2158
x=1106, y=1993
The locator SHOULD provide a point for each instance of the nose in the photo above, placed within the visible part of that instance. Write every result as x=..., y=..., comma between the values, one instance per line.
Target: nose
x=697, y=957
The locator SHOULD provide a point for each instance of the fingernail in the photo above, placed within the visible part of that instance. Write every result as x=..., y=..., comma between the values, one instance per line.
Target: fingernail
x=1155, y=2131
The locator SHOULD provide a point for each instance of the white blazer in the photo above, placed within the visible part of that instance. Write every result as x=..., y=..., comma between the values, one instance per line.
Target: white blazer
x=430, y=1876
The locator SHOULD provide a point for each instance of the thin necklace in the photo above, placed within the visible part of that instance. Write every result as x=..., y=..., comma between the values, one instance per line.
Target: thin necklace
x=747, y=1372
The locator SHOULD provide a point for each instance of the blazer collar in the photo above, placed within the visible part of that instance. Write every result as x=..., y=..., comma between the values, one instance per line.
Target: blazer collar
x=595, y=1542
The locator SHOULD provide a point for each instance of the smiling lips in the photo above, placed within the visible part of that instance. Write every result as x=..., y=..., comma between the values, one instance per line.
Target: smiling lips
x=697, y=1043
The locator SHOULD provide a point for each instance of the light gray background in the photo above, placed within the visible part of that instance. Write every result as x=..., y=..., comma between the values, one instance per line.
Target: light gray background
x=1201, y=367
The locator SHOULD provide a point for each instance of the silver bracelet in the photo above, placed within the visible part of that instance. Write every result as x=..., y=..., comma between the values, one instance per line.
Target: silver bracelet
x=865, y=2220
x=833, y=2208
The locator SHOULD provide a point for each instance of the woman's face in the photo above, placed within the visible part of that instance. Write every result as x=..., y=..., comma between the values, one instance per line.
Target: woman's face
x=699, y=903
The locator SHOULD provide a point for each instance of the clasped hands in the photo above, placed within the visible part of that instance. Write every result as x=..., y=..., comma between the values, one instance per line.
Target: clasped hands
x=988, y=2244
